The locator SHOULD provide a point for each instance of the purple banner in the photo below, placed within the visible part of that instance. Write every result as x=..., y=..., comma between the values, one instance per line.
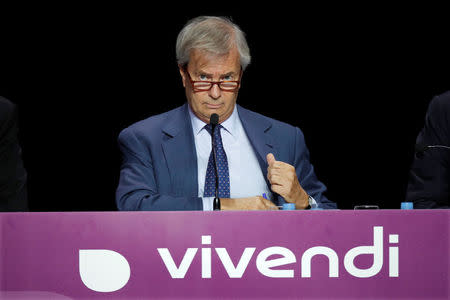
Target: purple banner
x=275, y=254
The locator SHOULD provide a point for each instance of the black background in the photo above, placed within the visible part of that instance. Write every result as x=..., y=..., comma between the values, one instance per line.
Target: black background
x=357, y=80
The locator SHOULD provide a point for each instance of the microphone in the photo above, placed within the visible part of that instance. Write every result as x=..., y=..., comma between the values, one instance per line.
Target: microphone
x=214, y=120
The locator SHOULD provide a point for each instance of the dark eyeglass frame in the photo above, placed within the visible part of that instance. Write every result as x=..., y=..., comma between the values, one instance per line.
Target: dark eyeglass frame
x=212, y=83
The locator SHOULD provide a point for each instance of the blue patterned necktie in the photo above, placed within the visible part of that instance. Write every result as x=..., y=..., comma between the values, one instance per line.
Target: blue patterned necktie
x=222, y=168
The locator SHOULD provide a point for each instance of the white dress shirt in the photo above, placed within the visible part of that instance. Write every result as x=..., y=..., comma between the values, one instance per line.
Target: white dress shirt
x=246, y=177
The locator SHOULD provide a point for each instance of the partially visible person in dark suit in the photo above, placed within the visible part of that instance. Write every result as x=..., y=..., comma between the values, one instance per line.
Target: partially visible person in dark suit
x=429, y=179
x=13, y=177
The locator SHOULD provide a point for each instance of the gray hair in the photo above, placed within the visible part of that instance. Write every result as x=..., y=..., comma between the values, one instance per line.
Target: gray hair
x=217, y=35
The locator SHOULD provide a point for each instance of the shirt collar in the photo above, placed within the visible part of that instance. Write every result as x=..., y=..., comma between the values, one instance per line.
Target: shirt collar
x=229, y=125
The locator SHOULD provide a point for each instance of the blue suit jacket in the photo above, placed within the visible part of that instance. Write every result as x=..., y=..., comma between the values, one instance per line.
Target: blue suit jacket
x=159, y=160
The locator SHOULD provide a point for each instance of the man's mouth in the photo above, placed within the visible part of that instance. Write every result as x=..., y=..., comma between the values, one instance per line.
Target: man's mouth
x=213, y=106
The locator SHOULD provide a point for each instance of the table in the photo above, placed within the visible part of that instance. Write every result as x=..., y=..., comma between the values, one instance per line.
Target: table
x=243, y=254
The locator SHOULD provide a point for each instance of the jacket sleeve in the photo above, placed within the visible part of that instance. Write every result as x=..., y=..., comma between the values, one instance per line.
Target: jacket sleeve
x=138, y=189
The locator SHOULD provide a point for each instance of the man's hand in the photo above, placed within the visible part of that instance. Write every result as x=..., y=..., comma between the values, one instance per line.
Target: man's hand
x=250, y=203
x=284, y=182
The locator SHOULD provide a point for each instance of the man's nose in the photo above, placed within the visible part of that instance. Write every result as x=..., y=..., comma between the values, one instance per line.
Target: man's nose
x=215, y=91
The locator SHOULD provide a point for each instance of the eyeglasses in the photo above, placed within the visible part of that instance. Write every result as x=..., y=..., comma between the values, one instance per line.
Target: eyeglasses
x=203, y=86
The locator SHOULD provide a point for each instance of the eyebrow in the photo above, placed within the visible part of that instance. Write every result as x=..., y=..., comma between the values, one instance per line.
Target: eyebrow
x=211, y=75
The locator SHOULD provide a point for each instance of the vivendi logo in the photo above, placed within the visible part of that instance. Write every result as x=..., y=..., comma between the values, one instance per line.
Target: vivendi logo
x=108, y=271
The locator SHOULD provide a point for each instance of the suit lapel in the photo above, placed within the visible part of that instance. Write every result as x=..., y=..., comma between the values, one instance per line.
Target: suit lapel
x=258, y=132
x=179, y=151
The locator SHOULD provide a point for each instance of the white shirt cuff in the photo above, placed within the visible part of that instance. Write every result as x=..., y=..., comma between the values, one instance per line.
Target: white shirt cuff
x=312, y=202
x=208, y=203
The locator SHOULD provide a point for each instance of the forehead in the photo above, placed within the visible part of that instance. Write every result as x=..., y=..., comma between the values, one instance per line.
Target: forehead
x=212, y=63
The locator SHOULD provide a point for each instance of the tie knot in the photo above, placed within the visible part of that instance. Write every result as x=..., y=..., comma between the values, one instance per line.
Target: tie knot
x=208, y=127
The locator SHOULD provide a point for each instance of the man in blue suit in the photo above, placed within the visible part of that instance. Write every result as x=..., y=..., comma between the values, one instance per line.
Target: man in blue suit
x=168, y=161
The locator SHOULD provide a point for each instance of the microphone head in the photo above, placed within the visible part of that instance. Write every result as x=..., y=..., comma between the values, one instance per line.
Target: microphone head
x=214, y=119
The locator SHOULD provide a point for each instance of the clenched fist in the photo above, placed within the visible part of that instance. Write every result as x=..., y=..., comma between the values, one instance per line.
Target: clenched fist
x=284, y=182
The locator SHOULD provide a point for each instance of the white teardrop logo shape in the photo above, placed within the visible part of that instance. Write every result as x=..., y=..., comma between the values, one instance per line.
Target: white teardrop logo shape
x=103, y=270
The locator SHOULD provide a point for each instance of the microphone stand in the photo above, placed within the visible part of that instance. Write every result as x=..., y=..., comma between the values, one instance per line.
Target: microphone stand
x=215, y=163
x=214, y=120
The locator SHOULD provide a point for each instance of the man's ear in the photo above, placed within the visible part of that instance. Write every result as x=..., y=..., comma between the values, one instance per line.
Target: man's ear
x=183, y=74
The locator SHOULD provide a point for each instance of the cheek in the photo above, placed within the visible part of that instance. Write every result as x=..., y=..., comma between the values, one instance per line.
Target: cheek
x=195, y=101
x=230, y=100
